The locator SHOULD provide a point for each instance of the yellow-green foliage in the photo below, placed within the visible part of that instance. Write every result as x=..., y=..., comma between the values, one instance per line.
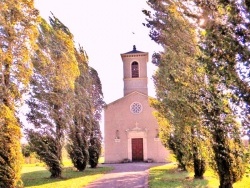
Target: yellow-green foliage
x=10, y=155
x=67, y=71
x=18, y=34
x=57, y=54
x=20, y=42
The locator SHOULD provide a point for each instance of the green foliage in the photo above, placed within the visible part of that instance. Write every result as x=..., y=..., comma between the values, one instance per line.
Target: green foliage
x=201, y=78
x=226, y=42
x=46, y=147
x=26, y=150
x=227, y=144
x=78, y=134
x=52, y=93
x=10, y=147
x=18, y=34
x=78, y=147
x=84, y=135
x=96, y=94
x=181, y=150
x=223, y=51
x=178, y=80
x=95, y=145
x=94, y=154
x=95, y=134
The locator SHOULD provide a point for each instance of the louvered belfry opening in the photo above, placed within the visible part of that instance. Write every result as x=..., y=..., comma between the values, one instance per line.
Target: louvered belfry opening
x=135, y=69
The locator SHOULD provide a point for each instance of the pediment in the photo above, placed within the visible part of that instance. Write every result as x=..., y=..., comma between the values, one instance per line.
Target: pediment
x=128, y=96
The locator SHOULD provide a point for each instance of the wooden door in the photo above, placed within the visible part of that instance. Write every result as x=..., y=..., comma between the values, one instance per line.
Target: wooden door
x=137, y=149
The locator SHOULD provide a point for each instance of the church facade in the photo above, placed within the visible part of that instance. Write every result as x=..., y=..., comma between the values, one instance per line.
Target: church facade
x=131, y=130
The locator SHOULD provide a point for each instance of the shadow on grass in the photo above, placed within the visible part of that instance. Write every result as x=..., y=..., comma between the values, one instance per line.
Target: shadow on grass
x=42, y=177
x=168, y=176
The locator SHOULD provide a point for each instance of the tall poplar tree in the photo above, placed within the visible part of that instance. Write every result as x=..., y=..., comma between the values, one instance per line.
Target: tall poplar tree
x=224, y=45
x=17, y=37
x=79, y=131
x=178, y=80
x=84, y=136
x=95, y=133
x=52, y=93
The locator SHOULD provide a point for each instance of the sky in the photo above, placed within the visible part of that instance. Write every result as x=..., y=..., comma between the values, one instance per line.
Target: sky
x=105, y=29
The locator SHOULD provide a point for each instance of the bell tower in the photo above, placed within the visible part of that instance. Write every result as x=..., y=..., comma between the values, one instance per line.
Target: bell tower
x=135, y=71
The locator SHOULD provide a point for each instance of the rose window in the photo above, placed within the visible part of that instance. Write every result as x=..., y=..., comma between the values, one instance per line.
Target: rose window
x=136, y=107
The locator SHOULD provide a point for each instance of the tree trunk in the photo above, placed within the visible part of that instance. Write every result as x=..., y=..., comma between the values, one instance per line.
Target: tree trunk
x=199, y=163
x=226, y=184
x=199, y=168
x=56, y=171
x=222, y=159
x=56, y=174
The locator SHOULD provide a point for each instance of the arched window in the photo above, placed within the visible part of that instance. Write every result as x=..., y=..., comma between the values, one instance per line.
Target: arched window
x=135, y=70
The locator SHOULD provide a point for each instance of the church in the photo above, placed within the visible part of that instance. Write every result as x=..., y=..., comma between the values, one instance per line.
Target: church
x=130, y=129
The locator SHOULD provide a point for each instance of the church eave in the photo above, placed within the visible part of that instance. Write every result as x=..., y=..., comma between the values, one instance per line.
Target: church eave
x=132, y=93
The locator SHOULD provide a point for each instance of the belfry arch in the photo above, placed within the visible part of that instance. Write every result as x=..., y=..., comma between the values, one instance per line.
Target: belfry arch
x=135, y=69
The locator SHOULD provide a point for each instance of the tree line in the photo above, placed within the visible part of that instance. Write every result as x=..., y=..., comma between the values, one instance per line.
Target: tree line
x=202, y=86
x=202, y=83
x=39, y=62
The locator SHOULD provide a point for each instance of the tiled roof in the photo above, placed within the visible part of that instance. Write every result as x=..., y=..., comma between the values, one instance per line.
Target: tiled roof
x=134, y=51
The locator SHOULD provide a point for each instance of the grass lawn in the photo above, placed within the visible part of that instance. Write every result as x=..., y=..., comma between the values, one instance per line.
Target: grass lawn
x=37, y=176
x=168, y=176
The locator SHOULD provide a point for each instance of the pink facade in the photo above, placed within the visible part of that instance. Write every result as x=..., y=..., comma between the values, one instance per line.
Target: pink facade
x=130, y=129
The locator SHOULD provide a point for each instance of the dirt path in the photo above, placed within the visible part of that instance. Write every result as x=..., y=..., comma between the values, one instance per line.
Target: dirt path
x=125, y=175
